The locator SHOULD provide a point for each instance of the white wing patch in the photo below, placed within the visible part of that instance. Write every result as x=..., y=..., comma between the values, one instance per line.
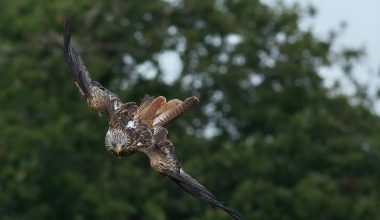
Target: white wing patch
x=131, y=124
x=116, y=102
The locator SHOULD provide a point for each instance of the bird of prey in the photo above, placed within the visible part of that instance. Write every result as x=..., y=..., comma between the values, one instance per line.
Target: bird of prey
x=140, y=128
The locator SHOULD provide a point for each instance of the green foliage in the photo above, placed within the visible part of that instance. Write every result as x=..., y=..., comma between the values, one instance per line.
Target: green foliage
x=284, y=148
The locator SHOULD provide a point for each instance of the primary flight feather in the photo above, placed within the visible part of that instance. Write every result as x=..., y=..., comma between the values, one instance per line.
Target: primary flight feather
x=140, y=128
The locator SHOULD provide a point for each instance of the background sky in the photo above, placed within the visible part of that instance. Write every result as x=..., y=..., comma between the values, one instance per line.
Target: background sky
x=362, y=30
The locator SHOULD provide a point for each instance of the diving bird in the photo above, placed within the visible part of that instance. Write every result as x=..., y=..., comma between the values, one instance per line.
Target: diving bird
x=140, y=128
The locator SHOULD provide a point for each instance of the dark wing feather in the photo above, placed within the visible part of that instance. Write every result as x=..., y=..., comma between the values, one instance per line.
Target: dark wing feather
x=97, y=96
x=76, y=65
x=163, y=159
x=192, y=186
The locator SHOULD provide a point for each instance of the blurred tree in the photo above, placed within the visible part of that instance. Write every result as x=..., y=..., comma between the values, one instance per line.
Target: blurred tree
x=268, y=138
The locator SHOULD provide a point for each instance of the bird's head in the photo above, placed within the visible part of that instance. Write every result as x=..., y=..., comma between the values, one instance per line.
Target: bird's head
x=117, y=142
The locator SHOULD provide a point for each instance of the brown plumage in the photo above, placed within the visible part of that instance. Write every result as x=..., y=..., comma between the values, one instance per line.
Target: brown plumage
x=97, y=96
x=172, y=110
x=135, y=128
x=148, y=110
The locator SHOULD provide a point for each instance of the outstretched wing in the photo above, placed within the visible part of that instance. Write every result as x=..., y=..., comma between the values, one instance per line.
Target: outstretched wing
x=97, y=96
x=163, y=159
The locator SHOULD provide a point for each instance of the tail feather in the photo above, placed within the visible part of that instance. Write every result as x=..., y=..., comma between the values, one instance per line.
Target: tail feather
x=172, y=110
x=168, y=106
x=147, y=111
x=192, y=186
x=147, y=100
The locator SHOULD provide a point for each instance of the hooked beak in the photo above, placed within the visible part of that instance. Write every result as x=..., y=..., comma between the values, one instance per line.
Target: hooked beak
x=119, y=148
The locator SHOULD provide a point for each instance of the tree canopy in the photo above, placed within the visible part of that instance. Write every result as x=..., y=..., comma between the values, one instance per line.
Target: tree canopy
x=268, y=137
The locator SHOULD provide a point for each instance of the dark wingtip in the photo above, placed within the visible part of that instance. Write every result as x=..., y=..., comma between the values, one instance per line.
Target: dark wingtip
x=192, y=186
x=66, y=38
x=236, y=215
x=74, y=61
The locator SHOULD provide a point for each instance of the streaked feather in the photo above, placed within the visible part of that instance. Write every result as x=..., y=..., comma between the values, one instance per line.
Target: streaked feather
x=97, y=96
x=168, y=106
x=159, y=135
x=173, y=111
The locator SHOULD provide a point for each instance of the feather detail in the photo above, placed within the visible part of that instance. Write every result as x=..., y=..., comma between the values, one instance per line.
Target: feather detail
x=173, y=109
x=97, y=96
x=159, y=135
x=193, y=187
x=76, y=65
x=147, y=100
x=170, y=105
x=147, y=111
